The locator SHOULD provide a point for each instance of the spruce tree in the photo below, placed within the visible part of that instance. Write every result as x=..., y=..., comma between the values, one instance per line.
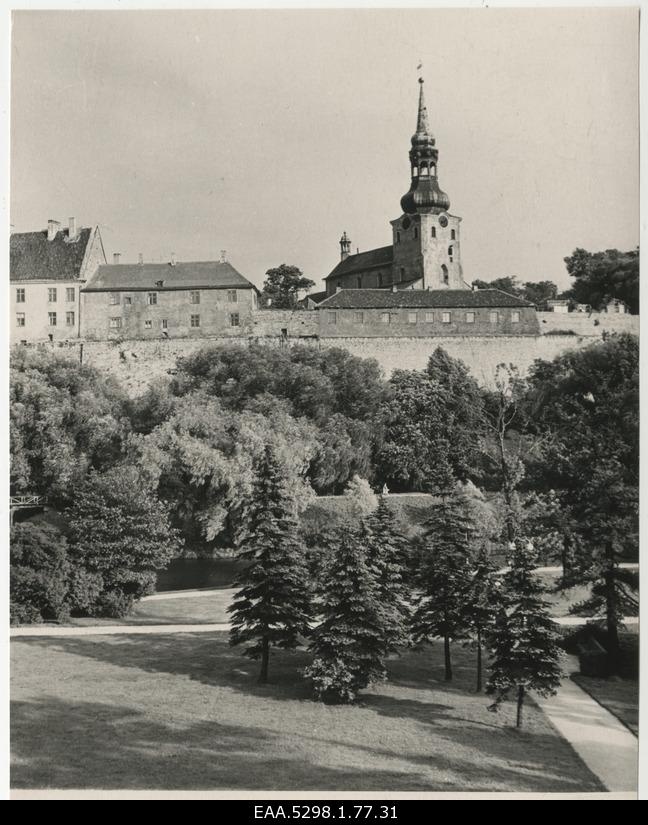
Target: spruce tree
x=525, y=651
x=442, y=576
x=348, y=645
x=273, y=605
x=387, y=554
x=480, y=605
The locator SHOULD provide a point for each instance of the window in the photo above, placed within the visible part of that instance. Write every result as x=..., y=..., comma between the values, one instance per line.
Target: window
x=151, y=298
x=195, y=321
x=444, y=274
x=234, y=319
x=51, y=295
x=115, y=299
x=384, y=317
x=470, y=317
x=411, y=318
x=52, y=318
x=450, y=253
x=115, y=323
x=147, y=324
x=231, y=296
x=429, y=317
x=127, y=300
x=69, y=294
x=69, y=319
x=515, y=317
x=332, y=317
x=195, y=297
x=434, y=231
x=359, y=281
x=453, y=235
x=20, y=296
x=446, y=317
x=493, y=316
x=358, y=317
x=415, y=232
x=380, y=279
x=402, y=273
x=164, y=324
x=398, y=237
x=20, y=319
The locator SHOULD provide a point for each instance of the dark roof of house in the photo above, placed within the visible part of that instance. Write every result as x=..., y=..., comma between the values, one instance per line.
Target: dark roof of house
x=32, y=257
x=384, y=256
x=383, y=298
x=182, y=275
x=315, y=297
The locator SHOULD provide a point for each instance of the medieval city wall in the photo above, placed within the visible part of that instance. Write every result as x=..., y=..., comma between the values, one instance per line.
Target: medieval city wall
x=138, y=364
x=583, y=324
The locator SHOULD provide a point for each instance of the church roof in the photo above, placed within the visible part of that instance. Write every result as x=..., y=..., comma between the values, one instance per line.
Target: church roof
x=383, y=256
x=182, y=275
x=441, y=298
x=32, y=257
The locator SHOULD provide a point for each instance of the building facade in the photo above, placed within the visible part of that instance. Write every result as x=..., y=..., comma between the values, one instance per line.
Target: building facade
x=172, y=300
x=425, y=313
x=47, y=270
x=425, y=252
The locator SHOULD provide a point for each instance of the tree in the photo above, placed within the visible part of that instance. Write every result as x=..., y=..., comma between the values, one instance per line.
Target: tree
x=480, y=604
x=507, y=284
x=120, y=533
x=539, y=292
x=585, y=404
x=443, y=575
x=348, y=645
x=282, y=285
x=525, y=652
x=432, y=427
x=272, y=607
x=40, y=573
x=361, y=497
x=601, y=276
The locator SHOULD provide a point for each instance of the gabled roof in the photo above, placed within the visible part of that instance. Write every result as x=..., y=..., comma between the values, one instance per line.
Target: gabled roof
x=412, y=298
x=182, y=275
x=315, y=297
x=384, y=256
x=32, y=257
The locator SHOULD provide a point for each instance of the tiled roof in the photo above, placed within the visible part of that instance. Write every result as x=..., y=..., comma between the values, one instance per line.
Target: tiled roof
x=382, y=298
x=182, y=275
x=315, y=297
x=384, y=256
x=32, y=257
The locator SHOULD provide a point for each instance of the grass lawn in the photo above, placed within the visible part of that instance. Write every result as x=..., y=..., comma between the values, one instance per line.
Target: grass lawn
x=208, y=609
x=184, y=711
x=619, y=696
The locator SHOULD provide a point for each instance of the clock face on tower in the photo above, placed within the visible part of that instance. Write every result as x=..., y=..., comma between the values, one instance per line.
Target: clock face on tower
x=443, y=220
x=406, y=223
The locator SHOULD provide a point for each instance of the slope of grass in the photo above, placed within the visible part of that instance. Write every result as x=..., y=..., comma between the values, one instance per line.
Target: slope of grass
x=184, y=711
x=208, y=609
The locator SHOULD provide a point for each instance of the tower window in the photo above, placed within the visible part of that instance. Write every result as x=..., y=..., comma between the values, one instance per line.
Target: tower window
x=359, y=281
x=453, y=235
x=414, y=171
x=434, y=231
x=444, y=274
x=398, y=237
x=415, y=232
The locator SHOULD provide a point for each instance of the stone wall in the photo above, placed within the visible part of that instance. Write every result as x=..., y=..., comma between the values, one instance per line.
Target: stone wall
x=138, y=364
x=583, y=324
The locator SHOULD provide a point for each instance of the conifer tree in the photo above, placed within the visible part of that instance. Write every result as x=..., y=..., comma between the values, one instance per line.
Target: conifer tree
x=525, y=651
x=348, y=645
x=273, y=605
x=442, y=577
x=480, y=605
x=387, y=553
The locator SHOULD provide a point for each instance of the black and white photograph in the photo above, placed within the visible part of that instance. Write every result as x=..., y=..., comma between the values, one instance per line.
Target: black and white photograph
x=322, y=373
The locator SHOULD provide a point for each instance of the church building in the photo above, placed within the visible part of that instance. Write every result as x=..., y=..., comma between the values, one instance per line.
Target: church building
x=425, y=252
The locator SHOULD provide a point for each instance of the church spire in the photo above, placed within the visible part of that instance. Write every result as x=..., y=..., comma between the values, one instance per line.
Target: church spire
x=424, y=194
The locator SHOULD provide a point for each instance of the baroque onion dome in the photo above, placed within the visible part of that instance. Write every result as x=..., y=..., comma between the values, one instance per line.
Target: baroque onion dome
x=424, y=194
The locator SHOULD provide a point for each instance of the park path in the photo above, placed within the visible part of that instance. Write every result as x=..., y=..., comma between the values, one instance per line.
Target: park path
x=606, y=746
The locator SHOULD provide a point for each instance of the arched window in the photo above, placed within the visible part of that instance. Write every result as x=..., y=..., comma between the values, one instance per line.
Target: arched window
x=398, y=237
x=450, y=253
x=432, y=169
x=415, y=232
x=444, y=274
x=434, y=231
x=414, y=171
x=453, y=236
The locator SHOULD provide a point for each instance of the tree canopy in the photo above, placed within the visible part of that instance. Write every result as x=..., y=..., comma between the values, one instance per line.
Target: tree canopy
x=282, y=285
x=601, y=276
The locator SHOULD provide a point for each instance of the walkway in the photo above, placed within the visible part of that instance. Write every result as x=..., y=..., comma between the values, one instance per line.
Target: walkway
x=115, y=629
x=606, y=746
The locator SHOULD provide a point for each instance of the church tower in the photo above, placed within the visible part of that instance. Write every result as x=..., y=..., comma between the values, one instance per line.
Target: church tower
x=427, y=251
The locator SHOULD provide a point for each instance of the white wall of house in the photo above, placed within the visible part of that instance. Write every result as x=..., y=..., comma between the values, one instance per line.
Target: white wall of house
x=35, y=315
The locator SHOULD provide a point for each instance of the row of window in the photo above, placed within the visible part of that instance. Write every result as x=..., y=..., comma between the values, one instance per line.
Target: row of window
x=52, y=295
x=194, y=321
x=152, y=298
x=433, y=233
x=413, y=317
x=70, y=319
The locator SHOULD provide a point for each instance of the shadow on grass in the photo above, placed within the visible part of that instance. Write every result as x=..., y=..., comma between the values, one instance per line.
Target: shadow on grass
x=59, y=744
x=236, y=756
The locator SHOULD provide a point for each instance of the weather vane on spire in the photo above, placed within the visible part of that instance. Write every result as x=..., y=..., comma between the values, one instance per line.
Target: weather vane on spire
x=418, y=69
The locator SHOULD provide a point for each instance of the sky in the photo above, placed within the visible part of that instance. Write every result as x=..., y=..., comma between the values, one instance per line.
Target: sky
x=269, y=133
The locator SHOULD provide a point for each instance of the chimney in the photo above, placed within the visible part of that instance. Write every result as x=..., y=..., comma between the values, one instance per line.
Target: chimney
x=140, y=259
x=173, y=260
x=52, y=229
x=72, y=231
x=116, y=256
x=394, y=288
